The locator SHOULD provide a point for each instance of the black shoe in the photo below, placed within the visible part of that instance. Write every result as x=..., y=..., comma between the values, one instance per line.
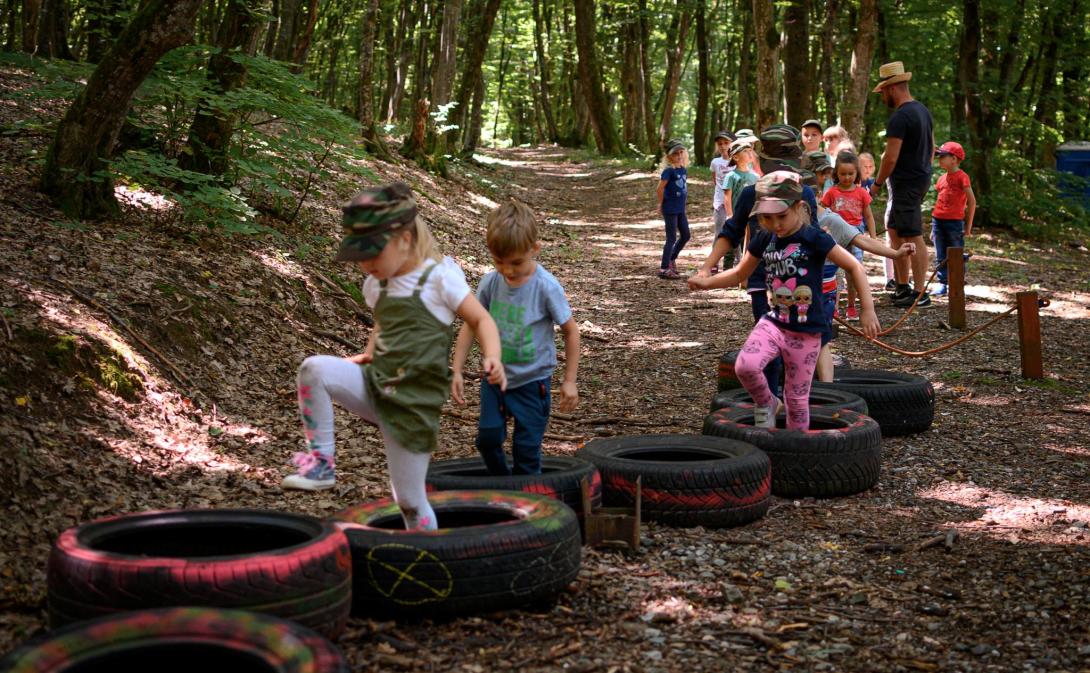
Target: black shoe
x=901, y=292
x=891, y=285
x=925, y=300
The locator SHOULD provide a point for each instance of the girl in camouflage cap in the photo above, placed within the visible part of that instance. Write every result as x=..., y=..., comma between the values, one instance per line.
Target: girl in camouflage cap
x=793, y=254
x=400, y=382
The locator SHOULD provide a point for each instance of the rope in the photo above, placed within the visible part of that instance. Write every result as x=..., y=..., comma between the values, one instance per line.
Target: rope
x=916, y=301
x=937, y=349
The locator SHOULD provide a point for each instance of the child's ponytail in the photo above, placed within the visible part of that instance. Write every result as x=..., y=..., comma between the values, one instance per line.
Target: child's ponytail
x=424, y=245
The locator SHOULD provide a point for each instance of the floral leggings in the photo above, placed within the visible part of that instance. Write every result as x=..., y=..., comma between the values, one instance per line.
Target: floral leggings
x=800, y=354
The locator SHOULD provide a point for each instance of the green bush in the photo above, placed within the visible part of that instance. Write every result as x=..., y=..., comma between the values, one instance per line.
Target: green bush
x=1029, y=200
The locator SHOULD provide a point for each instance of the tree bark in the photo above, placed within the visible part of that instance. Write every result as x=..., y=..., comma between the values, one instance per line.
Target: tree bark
x=414, y=147
x=675, y=51
x=645, y=69
x=552, y=131
x=1076, y=100
x=211, y=131
x=746, y=103
x=473, y=130
x=284, y=47
x=71, y=175
x=366, y=112
x=826, y=76
x=700, y=130
x=53, y=30
x=590, y=74
x=481, y=18
x=859, y=80
x=31, y=11
x=398, y=52
x=796, y=63
x=631, y=76
x=1047, y=103
x=768, y=47
x=103, y=27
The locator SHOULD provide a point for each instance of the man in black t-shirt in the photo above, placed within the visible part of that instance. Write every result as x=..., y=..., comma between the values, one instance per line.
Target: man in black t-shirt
x=906, y=173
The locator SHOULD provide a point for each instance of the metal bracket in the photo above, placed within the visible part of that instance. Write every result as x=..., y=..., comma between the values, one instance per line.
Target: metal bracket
x=612, y=525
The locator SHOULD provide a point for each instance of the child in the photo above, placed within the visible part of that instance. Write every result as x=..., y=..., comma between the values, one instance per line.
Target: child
x=400, y=382
x=526, y=301
x=720, y=167
x=672, y=194
x=849, y=200
x=948, y=228
x=836, y=141
x=866, y=171
x=793, y=254
x=811, y=135
x=743, y=156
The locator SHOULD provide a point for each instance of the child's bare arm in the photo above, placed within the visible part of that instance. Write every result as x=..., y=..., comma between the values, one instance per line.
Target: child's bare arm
x=726, y=278
x=877, y=247
x=970, y=205
x=728, y=199
x=461, y=352
x=488, y=336
x=569, y=392
x=868, y=320
x=369, y=352
x=868, y=218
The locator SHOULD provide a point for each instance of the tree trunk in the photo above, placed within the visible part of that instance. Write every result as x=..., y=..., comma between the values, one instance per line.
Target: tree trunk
x=414, y=147
x=745, y=66
x=32, y=9
x=1076, y=101
x=796, y=62
x=631, y=77
x=371, y=138
x=473, y=129
x=1045, y=114
x=284, y=48
x=768, y=46
x=645, y=69
x=502, y=75
x=53, y=30
x=397, y=59
x=274, y=30
x=700, y=130
x=828, y=93
x=678, y=32
x=103, y=26
x=590, y=74
x=859, y=80
x=71, y=175
x=481, y=18
x=552, y=131
x=969, y=101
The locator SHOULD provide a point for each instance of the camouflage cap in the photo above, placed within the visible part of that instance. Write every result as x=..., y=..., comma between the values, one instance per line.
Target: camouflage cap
x=815, y=162
x=372, y=218
x=673, y=146
x=724, y=135
x=742, y=144
x=780, y=148
x=776, y=192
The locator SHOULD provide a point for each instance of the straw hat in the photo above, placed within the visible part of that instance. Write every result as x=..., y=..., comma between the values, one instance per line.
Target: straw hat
x=891, y=73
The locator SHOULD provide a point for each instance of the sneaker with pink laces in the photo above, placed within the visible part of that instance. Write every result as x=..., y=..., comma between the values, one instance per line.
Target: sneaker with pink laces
x=315, y=472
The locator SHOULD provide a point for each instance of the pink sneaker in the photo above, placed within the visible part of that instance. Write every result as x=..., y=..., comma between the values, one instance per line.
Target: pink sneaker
x=852, y=313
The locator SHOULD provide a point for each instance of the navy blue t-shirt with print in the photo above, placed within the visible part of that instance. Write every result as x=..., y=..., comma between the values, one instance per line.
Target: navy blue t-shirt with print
x=793, y=276
x=673, y=195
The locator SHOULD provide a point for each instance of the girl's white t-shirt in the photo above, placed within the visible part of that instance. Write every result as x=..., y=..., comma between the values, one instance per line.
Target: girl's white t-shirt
x=720, y=167
x=444, y=292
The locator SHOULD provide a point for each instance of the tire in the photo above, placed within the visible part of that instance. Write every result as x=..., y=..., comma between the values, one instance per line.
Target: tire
x=820, y=396
x=728, y=380
x=903, y=404
x=840, y=455
x=179, y=640
x=494, y=550
x=560, y=479
x=288, y=565
x=686, y=480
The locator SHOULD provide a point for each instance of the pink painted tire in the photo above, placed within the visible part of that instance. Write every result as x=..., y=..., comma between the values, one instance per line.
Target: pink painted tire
x=840, y=454
x=173, y=640
x=288, y=565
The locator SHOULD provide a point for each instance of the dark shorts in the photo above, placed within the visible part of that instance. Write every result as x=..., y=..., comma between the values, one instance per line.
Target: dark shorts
x=903, y=209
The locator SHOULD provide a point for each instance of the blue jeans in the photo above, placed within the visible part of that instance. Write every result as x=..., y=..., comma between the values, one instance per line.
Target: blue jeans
x=946, y=234
x=759, y=301
x=675, y=223
x=529, y=406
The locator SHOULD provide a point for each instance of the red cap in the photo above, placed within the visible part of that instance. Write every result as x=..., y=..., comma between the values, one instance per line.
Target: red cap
x=952, y=148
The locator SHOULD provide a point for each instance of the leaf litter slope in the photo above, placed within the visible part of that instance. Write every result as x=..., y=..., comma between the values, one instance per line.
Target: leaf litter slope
x=847, y=584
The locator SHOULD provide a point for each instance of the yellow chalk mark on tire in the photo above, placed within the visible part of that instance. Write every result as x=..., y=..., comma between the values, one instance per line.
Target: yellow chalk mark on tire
x=405, y=578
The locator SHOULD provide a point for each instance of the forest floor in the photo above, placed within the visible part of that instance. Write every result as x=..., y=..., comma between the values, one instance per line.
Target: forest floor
x=192, y=404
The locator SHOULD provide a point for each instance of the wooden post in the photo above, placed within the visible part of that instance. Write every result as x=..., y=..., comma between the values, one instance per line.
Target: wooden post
x=1029, y=335
x=955, y=286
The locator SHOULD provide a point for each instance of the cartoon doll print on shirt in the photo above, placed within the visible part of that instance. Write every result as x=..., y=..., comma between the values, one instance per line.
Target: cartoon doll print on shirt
x=803, y=296
x=783, y=296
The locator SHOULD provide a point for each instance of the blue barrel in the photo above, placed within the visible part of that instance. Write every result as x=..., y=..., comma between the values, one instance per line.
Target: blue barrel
x=1074, y=158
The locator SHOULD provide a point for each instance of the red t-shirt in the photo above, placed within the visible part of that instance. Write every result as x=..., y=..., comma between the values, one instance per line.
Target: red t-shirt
x=952, y=189
x=848, y=204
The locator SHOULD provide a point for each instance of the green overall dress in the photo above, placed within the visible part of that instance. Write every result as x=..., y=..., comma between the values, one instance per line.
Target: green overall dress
x=409, y=379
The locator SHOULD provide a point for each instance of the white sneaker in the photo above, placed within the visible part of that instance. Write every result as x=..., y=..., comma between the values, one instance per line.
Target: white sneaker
x=315, y=473
x=765, y=417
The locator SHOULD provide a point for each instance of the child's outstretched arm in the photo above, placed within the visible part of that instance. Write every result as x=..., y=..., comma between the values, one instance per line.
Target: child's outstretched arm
x=368, y=353
x=877, y=247
x=569, y=393
x=868, y=320
x=970, y=205
x=726, y=278
x=461, y=352
x=868, y=218
x=478, y=320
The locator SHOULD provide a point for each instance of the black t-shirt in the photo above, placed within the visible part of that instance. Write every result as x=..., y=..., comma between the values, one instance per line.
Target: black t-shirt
x=913, y=125
x=793, y=268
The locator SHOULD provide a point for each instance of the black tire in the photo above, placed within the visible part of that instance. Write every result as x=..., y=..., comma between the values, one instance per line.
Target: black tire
x=840, y=455
x=288, y=565
x=560, y=479
x=686, y=480
x=728, y=379
x=179, y=640
x=494, y=550
x=903, y=404
x=820, y=396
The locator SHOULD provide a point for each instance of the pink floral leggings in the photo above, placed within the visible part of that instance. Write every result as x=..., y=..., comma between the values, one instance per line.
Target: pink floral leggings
x=800, y=354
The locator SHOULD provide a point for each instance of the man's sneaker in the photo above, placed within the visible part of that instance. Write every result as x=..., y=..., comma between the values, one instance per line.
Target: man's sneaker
x=891, y=285
x=765, y=417
x=315, y=472
x=852, y=313
x=939, y=290
x=925, y=300
x=901, y=292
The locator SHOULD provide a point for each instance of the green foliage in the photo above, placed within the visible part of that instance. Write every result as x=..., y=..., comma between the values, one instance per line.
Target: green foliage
x=1027, y=199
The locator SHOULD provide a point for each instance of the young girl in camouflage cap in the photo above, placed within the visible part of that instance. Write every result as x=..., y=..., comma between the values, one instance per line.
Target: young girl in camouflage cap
x=400, y=382
x=793, y=255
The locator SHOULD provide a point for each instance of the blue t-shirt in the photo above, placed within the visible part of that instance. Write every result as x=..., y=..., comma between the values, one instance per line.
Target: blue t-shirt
x=793, y=268
x=734, y=229
x=673, y=195
x=525, y=316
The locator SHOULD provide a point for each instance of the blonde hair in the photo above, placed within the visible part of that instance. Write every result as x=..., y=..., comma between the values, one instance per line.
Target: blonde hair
x=423, y=243
x=802, y=211
x=511, y=229
x=683, y=161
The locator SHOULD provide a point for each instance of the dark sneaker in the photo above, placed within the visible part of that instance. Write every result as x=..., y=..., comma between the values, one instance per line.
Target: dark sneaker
x=900, y=293
x=315, y=473
x=925, y=300
x=891, y=285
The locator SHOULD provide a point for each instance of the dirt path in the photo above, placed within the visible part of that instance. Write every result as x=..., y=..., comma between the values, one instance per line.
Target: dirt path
x=1006, y=462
